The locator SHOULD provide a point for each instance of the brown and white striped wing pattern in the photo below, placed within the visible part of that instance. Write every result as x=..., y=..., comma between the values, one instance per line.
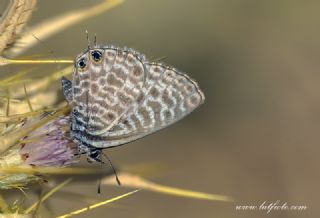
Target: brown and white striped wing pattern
x=167, y=96
x=103, y=92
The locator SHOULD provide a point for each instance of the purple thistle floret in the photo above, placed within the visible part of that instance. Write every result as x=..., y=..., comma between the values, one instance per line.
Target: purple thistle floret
x=50, y=145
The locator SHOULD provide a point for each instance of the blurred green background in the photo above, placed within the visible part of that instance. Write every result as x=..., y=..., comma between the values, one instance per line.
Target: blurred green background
x=256, y=138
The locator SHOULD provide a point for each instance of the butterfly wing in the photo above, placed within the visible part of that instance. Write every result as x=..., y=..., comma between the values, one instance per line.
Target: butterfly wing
x=104, y=91
x=168, y=95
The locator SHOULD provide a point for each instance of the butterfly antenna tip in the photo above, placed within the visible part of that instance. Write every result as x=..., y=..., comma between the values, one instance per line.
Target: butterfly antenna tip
x=88, y=39
x=95, y=39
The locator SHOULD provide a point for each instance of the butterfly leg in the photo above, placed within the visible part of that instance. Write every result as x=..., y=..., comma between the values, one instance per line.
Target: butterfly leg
x=94, y=155
x=67, y=89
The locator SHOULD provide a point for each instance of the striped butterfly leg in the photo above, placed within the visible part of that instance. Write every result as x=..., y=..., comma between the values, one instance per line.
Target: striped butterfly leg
x=67, y=89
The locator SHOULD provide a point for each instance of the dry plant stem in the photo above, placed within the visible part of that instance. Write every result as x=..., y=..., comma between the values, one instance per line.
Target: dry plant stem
x=19, y=117
x=13, y=20
x=5, y=61
x=46, y=196
x=51, y=170
x=36, y=85
x=133, y=181
x=97, y=205
x=15, y=77
x=39, y=94
x=57, y=24
x=27, y=97
x=12, y=138
x=15, y=216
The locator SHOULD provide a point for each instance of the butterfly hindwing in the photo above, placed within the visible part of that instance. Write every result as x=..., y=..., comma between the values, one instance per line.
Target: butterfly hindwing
x=167, y=96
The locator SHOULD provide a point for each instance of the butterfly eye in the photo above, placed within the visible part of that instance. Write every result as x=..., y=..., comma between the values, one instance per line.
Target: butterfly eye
x=96, y=56
x=81, y=63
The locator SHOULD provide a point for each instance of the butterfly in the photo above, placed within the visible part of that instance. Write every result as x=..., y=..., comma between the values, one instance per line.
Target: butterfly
x=118, y=96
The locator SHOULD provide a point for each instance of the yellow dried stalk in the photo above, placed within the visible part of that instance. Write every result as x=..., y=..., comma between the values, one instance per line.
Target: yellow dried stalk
x=19, y=117
x=27, y=97
x=34, y=85
x=57, y=24
x=133, y=181
x=39, y=94
x=14, y=77
x=16, y=215
x=40, y=102
x=24, y=213
x=50, y=170
x=97, y=205
x=47, y=195
x=13, y=21
x=6, y=61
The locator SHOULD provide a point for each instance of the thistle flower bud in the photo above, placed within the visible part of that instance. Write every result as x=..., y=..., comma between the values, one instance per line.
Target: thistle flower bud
x=50, y=145
x=47, y=146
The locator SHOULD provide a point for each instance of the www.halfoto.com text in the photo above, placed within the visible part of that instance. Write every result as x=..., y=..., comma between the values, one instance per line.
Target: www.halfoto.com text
x=271, y=206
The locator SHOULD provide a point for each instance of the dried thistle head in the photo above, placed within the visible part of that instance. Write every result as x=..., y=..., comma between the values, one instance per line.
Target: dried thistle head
x=50, y=145
x=46, y=146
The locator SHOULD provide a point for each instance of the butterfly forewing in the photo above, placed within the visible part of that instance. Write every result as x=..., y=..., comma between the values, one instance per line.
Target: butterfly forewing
x=103, y=92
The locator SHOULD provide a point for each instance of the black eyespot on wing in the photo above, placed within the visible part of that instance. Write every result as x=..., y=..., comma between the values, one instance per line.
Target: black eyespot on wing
x=96, y=55
x=81, y=63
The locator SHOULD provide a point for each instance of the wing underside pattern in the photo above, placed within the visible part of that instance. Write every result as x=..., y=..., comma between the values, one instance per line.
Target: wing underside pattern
x=123, y=97
x=168, y=96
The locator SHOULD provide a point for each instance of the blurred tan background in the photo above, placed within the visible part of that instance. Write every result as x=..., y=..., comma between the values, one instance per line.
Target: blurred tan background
x=256, y=138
